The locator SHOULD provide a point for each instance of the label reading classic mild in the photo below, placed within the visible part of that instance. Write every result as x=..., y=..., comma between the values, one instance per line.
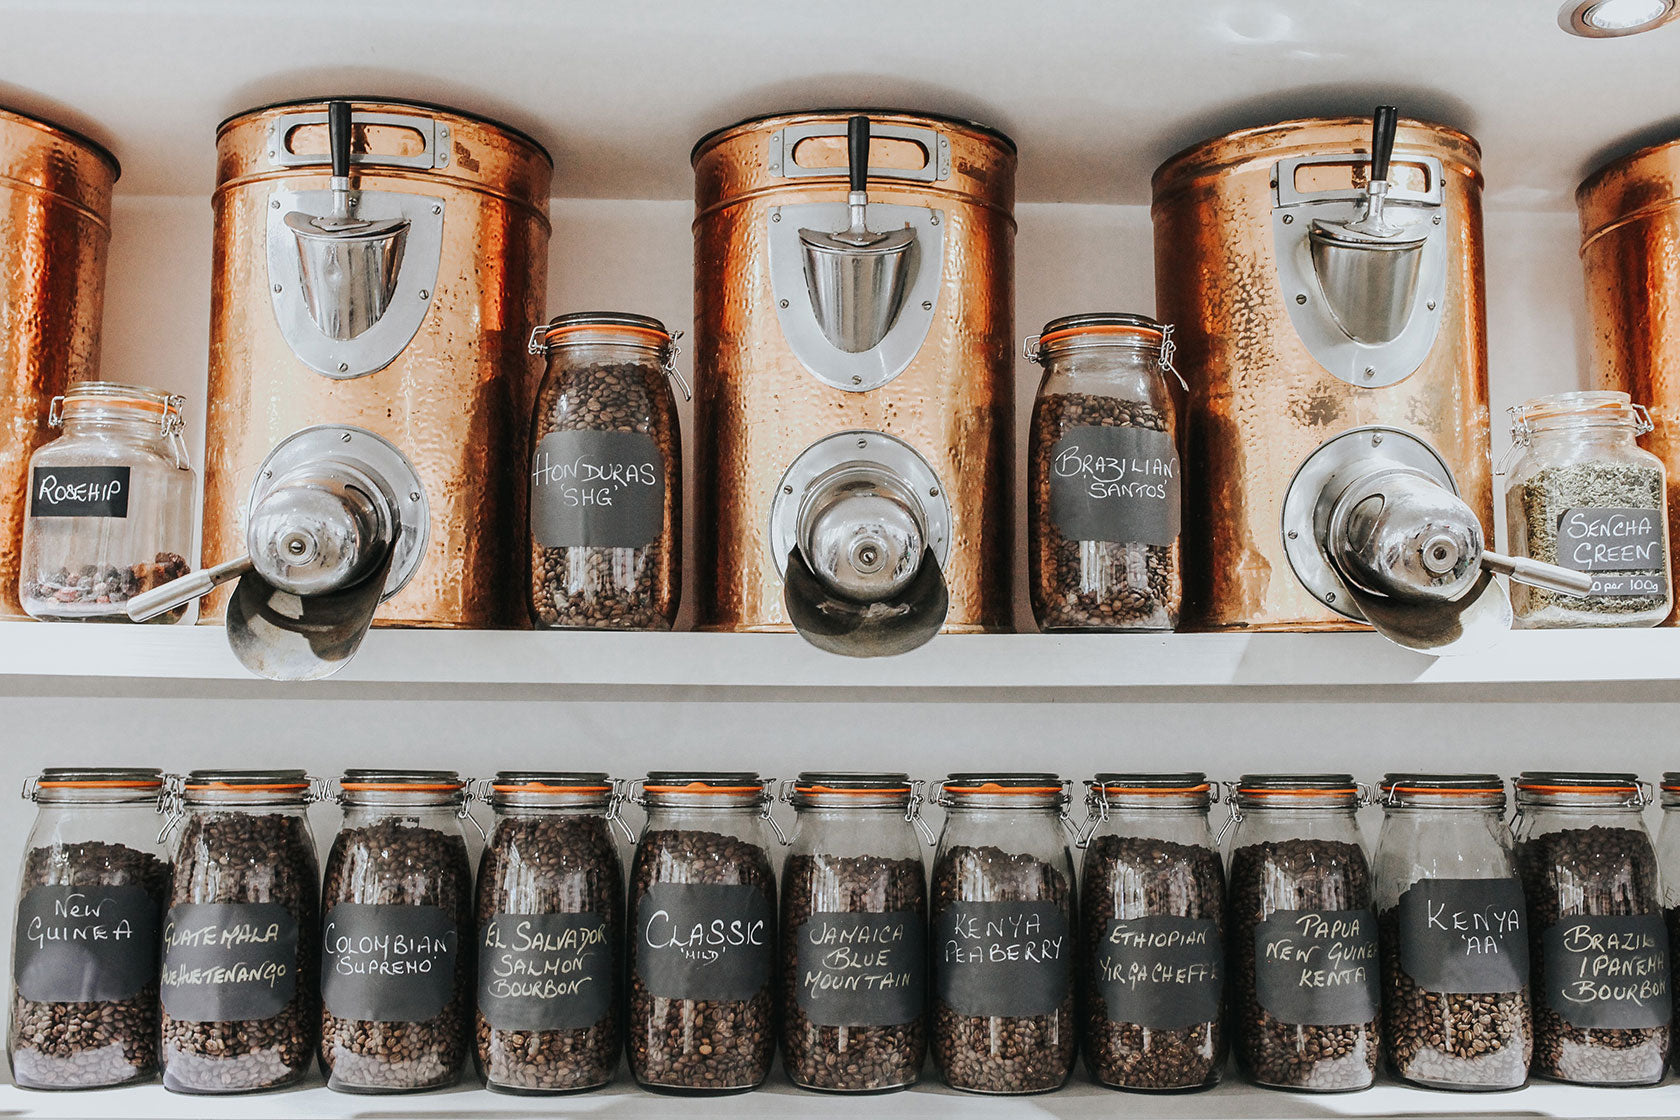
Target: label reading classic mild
x=1622, y=547
x=1162, y=972
x=1011, y=959
x=597, y=490
x=544, y=972
x=1608, y=972
x=1317, y=967
x=78, y=492
x=860, y=970
x=1464, y=936
x=229, y=961
x=84, y=944
x=704, y=941
x=1115, y=484
x=388, y=963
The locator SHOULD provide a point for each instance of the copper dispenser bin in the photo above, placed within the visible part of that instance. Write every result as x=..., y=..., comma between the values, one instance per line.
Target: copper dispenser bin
x=443, y=375
x=55, y=228
x=944, y=381
x=1255, y=335
x=1630, y=246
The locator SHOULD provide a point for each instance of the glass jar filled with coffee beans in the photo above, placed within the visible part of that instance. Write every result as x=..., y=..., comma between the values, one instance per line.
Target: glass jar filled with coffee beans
x=1152, y=906
x=550, y=934
x=1103, y=477
x=241, y=995
x=1599, y=947
x=395, y=936
x=703, y=934
x=853, y=934
x=1002, y=934
x=85, y=941
x=1454, y=934
x=1303, y=935
x=606, y=475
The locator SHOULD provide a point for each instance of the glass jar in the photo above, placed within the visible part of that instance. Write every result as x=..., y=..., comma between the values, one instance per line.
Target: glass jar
x=1152, y=907
x=1668, y=869
x=1303, y=934
x=1454, y=934
x=550, y=909
x=85, y=942
x=1003, y=938
x=702, y=968
x=606, y=475
x=395, y=975
x=1584, y=495
x=1599, y=949
x=241, y=996
x=853, y=928
x=110, y=504
x=1103, y=477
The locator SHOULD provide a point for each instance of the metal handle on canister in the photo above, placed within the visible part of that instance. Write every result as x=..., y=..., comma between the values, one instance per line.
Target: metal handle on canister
x=1537, y=573
x=179, y=592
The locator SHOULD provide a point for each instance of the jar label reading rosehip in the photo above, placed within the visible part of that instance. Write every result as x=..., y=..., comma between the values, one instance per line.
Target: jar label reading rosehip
x=704, y=941
x=597, y=490
x=228, y=961
x=544, y=972
x=1608, y=971
x=861, y=970
x=1162, y=972
x=78, y=492
x=1615, y=540
x=1117, y=484
x=388, y=963
x=1317, y=967
x=1010, y=959
x=85, y=944
x=1464, y=936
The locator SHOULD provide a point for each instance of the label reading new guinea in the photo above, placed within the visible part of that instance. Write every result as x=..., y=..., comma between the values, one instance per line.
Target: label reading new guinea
x=1162, y=972
x=704, y=941
x=78, y=492
x=1010, y=959
x=388, y=963
x=1615, y=541
x=1608, y=971
x=84, y=944
x=544, y=972
x=1317, y=967
x=229, y=961
x=860, y=970
x=1464, y=936
x=597, y=490
x=1116, y=484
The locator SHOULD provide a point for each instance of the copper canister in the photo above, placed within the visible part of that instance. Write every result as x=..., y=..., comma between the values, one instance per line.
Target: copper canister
x=55, y=228
x=443, y=375
x=758, y=405
x=1630, y=249
x=1271, y=379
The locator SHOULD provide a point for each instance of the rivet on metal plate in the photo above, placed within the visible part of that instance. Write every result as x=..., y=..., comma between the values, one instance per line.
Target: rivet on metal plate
x=784, y=305
x=1300, y=297
x=927, y=305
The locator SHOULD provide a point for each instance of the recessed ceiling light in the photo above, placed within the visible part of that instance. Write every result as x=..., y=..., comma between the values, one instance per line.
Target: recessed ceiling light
x=1608, y=19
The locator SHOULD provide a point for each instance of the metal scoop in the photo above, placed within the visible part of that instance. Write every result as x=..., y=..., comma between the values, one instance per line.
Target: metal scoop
x=857, y=279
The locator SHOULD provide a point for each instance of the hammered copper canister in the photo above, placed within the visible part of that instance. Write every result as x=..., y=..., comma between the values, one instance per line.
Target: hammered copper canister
x=55, y=228
x=1630, y=249
x=442, y=374
x=1271, y=379
x=943, y=384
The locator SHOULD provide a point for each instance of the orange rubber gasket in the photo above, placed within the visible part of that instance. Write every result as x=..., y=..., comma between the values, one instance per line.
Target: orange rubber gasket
x=1298, y=792
x=126, y=783
x=399, y=787
x=1461, y=791
x=1098, y=328
x=1153, y=791
x=239, y=787
x=702, y=787
x=993, y=787
x=853, y=792
x=1578, y=789
x=557, y=333
x=545, y=787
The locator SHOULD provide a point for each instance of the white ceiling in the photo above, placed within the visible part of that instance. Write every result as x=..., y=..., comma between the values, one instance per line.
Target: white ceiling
x=1096, y=92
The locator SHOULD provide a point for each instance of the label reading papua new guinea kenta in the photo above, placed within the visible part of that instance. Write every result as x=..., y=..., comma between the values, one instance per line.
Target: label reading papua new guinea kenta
x=594, y=489
x=1317, y=967
x=1162, y=972
x=1010, y=959
x=1116, y=484
x=1608, y=971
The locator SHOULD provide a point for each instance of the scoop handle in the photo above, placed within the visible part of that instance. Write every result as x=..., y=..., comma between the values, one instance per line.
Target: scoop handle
x=338, y=137
x=1382, y=141
x=857, y=153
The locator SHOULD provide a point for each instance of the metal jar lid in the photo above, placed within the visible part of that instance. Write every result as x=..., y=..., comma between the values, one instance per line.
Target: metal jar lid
x=1671, y=789
x=1595, y=788
x=991, y=789
x=1103, y=328
x=583, y=789
x=1298, y=791
x=703, y=789
x=1132, y=790
x=838, y=789
x=101, y=784
x=566, y=328
x=141, y=401
x=1442, y=791
x=399, y=787
x=245, y=787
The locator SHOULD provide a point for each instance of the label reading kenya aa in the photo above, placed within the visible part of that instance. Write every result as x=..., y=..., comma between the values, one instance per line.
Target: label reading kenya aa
x=78, y=492
x=84, y=944
x=1622, y=547
x=1010, y=959
x=1464, y=936
x=1162, y=972
x=1608, y=971
x=597, y=490
x=544, y=972
x=703, y=941
x=388, y=963
x=1317, y=967
x=860, y=970
x=229, y=961
x=1116, y=484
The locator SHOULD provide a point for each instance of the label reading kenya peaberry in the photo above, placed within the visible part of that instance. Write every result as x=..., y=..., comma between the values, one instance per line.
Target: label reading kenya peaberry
x=1623, y=548
x=229, y=961
x=1608, y=971
x=1008, y=959
x=1464, y=936
x=1162, y=972
x=78, y=492
x=597, y=490
x=1116, y=484
x=703, y=941
x=85, y=944
x=388, y=963
x=1317, y=967
x=544, y=972
x=861, y=970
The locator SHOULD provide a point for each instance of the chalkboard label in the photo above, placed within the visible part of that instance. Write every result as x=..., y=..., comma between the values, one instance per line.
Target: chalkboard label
x=1116, y=484
x=1608, y=972
x=1162, y=972
x=1464, y=936
x=78, y=492
x=597, y=490
x=704, y=941
x=388, y=963
x=545, y=972
x=85, y=944
x=1317, y=967
x=1614, y=541
x=229, y=961
x=861, y=970
x=1011, y=959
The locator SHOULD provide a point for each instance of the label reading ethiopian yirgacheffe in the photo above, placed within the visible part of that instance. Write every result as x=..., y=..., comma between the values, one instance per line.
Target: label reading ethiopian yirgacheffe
x=1317, y=967
x=544, y=972
x=1118, y=484
x=1010, y=959
x=1464, y=936
x=1608, y=971
x=1162, y=972
x=860, y=970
